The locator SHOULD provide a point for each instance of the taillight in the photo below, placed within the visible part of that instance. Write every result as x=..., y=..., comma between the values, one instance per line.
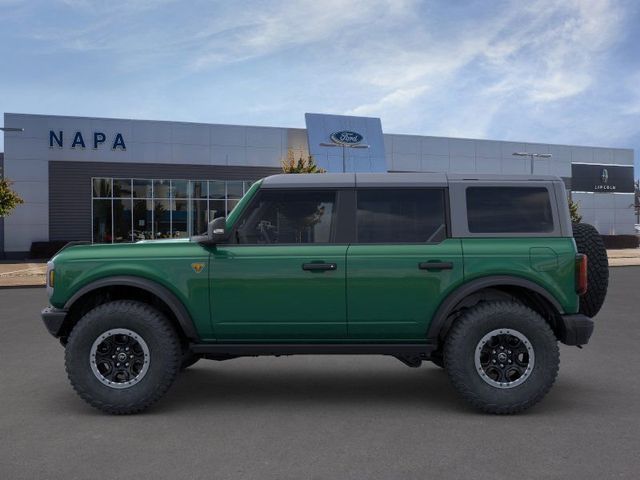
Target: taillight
x=581, y=274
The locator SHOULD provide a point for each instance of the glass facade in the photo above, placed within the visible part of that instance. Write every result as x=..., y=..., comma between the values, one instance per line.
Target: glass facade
x=132, y=209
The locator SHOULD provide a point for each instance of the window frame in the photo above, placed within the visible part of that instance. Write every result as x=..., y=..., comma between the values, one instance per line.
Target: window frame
x=334, y=236
x=459, y=214
x=445, y=204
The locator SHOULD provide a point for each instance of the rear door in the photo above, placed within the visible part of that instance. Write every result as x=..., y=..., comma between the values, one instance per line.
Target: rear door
x=402, y=263
x=284, y=277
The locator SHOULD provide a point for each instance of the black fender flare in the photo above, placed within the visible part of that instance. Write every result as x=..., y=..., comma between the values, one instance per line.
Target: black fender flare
x=439, y=320
x=175, y=305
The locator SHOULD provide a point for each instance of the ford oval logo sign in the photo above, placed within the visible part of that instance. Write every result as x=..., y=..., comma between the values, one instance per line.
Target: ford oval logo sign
x=346, y=137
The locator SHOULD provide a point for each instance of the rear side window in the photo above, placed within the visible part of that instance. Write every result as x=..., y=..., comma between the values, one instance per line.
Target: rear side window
x=289, y=217
x=400, y=215
x=509, y=210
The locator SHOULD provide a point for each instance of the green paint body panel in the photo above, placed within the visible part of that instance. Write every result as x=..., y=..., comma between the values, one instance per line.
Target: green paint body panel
x=389, y=297
x=548, y=262
x=260, y=293
x=166, y=262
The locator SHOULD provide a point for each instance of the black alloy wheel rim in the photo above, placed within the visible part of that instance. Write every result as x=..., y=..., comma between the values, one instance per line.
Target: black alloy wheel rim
x=504, y=358
x=119, y=358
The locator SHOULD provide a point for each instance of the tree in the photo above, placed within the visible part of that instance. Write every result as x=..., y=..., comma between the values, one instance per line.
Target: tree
x=302, y=165
x=573, y=211
x=8, y=198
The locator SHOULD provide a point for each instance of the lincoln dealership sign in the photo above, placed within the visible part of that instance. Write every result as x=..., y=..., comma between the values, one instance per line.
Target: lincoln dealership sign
x=95, y=141
x=601, y=178
x=346, y=137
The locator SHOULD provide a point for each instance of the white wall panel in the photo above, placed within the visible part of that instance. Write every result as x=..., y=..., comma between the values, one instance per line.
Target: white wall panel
x=488, y=165
x=406, y=144
x=264, y=137
x=228, y=155
x=623, y=200
x=26, y=170
x=582, y=155
x=188, y=153
x=462, y=164
x=18, y=238
x=604, y=200
x=190, y=133
x=264, y=157
x=508, y=148
x=434, y=146
x=228, y=135
x=515, y=165
x=461, y=147
x=406, y=162
x=151, y=132
x=434, y=163
x=623, y=156
x=32, y=192
x=584, y=200
x=488, y=149
x=559, y=168
x=29, y=214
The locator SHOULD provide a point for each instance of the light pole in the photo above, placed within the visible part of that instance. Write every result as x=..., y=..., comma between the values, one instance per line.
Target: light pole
x=344, y=150
x=532, y=156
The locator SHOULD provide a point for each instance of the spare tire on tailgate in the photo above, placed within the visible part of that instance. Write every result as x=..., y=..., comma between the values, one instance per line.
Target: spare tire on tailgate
x=589, y=242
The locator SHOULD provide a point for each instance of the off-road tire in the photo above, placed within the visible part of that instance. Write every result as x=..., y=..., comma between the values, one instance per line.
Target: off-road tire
x=153, y=327
x=188, y=359
x=437, y=358
x=463, y=340
x=589, y=242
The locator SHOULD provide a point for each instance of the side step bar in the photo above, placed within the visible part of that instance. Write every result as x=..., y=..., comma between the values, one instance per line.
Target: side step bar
x=422, y=350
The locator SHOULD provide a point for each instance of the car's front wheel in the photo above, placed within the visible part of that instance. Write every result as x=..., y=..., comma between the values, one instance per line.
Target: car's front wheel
x=502, y=357
x=122, y=356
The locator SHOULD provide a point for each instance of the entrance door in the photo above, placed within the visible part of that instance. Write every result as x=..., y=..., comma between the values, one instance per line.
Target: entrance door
x=285, y=277
x=402, y=264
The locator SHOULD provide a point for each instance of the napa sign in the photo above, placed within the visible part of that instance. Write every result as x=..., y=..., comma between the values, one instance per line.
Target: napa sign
x=98, y=139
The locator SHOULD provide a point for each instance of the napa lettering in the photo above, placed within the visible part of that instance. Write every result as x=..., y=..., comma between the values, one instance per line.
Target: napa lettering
x=77, y=140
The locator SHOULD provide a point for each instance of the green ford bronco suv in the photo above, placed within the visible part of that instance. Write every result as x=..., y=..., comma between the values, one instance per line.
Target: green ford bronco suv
x=481, y=275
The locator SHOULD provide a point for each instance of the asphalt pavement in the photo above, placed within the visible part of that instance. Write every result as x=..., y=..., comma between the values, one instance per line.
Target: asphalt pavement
x=322, y=417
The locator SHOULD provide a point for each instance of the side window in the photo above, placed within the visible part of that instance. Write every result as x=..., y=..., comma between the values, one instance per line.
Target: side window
x=389, y=215
x=289, y=216
x=509, y=210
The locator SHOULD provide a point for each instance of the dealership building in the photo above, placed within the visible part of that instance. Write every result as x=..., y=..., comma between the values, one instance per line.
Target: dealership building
x=116, y=180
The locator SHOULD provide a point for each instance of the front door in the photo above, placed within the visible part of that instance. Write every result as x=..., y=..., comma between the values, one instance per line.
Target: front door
x=402, y=263
x=284, y=276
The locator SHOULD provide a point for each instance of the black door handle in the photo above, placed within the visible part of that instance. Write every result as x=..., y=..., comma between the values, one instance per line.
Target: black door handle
x=435, y=265
x=319, y=267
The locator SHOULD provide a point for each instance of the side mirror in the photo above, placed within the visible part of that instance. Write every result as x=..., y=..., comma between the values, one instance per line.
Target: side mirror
x=217, y=230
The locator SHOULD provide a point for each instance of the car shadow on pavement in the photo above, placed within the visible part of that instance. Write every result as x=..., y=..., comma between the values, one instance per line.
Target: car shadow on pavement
x=211, y=386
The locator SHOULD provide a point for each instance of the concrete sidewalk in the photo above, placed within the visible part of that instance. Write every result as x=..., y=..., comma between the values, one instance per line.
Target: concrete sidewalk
x=624, y=258
x=22, y=274
x=32, y=274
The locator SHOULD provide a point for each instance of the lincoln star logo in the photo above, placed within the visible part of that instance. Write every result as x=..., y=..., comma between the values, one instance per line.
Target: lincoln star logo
x=197, y=267
x=604, y=175
x=346, y=137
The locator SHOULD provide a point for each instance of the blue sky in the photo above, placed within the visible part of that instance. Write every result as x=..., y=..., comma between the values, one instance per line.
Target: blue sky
x=537, y=70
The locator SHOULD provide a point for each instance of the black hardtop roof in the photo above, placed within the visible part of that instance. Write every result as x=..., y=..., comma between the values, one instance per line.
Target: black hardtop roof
x=405, y=179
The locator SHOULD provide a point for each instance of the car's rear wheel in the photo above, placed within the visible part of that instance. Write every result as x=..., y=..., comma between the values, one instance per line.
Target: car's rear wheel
x=589, y=242
x=502, y=357
x=122, y=356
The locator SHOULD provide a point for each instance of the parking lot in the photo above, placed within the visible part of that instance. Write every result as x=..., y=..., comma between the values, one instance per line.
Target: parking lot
x=322, y=417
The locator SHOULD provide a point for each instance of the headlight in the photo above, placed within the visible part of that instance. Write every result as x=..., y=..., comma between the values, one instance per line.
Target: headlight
x=51, y=278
